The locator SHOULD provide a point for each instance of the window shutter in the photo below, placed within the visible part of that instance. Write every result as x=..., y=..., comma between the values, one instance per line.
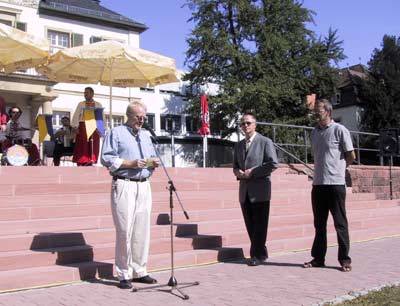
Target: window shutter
x=77, y=39
x=21, y=26
x=95, y=39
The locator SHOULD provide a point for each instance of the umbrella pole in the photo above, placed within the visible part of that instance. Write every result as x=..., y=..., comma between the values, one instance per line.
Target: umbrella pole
x=110, y=113
x=205, y=150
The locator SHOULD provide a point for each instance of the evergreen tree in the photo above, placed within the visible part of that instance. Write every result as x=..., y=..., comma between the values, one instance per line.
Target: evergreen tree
x=261, y=55
x=380, y=93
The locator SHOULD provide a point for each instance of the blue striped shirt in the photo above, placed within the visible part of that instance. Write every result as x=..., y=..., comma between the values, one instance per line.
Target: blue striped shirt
x=121, y=144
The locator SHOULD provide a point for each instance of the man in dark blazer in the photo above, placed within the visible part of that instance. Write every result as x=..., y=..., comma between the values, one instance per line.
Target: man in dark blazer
x=253, y=162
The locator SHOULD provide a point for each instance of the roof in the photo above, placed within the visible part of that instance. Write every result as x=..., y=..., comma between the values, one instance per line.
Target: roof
x=350, y=80
x=351, y=75
x=89, y=11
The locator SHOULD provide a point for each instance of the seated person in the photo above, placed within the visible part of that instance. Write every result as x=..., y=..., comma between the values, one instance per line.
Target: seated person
x=3, y=120
x=64, y=139
x=14, y=135
x=3, y=115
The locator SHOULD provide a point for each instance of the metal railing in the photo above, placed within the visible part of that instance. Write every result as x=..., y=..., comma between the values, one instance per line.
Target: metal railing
x=305, y=142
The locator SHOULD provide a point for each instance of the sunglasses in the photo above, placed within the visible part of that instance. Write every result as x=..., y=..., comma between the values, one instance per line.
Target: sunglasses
x=245, y=123
x=141, y=118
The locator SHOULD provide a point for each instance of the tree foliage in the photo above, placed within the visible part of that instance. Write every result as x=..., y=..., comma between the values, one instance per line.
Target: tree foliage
x=261, y=55
x=380, y=92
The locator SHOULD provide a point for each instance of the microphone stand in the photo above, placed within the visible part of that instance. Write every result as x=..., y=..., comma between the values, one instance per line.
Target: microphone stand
x=172, y=283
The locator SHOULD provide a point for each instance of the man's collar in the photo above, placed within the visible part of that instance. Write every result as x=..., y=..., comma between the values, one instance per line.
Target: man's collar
x=326, y=126
x=252, y=137
x=131, y=130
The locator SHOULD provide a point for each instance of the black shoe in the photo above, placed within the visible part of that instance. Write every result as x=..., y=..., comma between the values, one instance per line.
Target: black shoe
x=262, y=259
x=313, y=264
x=125, y=284
x=254, y=261
x=145, y=280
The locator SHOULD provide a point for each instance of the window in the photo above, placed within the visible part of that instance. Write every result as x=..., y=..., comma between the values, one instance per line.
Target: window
x=171, y=123
x=8, y=18
x=336, y=99
x=151, y=120
x=57, y=115
x=6, y=22
x=58, y=40
x=117, y=120
x=146, y=89
x=95, y=39
x=191, y=124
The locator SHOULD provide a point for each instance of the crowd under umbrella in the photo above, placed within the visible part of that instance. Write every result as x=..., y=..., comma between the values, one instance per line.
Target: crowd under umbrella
x=20, y=50
x=110, y=63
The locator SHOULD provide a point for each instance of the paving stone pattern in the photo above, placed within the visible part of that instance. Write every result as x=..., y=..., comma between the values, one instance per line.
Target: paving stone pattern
x=281, y=281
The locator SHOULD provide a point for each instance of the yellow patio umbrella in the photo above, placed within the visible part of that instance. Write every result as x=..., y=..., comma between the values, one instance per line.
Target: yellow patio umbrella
x=21, y=50
x=110, y=63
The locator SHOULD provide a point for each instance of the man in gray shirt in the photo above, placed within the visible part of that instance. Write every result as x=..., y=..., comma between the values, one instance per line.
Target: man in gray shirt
x=333, y=151
x=129, y=155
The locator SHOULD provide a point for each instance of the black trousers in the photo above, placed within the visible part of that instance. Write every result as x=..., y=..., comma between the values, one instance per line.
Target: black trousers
x=59, y=151
x=325, y=199
x=256, y=217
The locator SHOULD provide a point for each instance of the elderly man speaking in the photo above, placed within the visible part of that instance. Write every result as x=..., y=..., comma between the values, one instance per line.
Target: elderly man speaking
x=129, y=155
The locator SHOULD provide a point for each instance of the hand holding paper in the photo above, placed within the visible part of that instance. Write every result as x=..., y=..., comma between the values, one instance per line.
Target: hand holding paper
x=152, y=162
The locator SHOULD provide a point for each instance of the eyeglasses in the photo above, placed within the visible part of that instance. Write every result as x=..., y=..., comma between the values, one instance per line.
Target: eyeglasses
x=319, y=111
x=141, y=118
x=245, y=123
x=17, y=112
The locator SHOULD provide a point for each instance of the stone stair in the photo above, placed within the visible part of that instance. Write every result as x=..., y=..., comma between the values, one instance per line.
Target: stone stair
x=56, y=225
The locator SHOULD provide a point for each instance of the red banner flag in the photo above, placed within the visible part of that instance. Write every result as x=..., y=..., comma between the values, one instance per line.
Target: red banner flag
x=204, y=117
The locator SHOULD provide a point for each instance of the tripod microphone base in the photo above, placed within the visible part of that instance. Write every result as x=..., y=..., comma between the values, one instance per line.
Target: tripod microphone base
x=173, y=284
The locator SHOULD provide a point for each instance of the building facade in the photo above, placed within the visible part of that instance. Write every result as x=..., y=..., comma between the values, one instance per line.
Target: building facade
x=347, y=104
x=70, y=23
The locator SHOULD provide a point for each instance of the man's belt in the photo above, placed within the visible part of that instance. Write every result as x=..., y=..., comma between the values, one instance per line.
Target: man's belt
x=116, y=177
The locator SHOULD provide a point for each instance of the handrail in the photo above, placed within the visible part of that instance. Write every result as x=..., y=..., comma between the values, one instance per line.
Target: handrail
x=295, y=157
x=306, y=129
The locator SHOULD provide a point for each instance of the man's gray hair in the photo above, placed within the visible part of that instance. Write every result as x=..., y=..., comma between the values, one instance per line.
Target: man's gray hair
x=134, y=104
x=327, y=105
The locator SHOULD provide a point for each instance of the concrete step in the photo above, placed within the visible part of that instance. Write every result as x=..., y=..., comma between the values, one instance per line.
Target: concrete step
x=29, y=277
x=188, y=238
x=59, y=220
x=53, y=275
x=38, y=220
x=56, y=274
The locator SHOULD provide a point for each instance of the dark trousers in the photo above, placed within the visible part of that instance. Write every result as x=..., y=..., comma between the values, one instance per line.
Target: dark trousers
x=325, y=199
x=256, y=217
x=59, y=151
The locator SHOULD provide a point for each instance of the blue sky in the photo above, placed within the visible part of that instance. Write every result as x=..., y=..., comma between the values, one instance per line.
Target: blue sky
x=361, y=24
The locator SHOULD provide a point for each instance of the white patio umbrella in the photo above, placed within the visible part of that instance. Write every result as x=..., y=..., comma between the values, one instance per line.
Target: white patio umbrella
x=21, y=50
x=110, y=63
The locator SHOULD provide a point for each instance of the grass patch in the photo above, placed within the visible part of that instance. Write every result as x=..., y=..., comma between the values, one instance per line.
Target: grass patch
x=387, y=296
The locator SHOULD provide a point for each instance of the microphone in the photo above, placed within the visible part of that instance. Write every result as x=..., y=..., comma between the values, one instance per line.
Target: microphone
x=147, y=127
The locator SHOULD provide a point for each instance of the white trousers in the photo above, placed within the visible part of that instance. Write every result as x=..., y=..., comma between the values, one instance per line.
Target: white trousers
x=131, y=208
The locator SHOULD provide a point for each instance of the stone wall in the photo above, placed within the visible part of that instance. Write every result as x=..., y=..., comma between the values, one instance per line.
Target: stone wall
x=374, y=179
